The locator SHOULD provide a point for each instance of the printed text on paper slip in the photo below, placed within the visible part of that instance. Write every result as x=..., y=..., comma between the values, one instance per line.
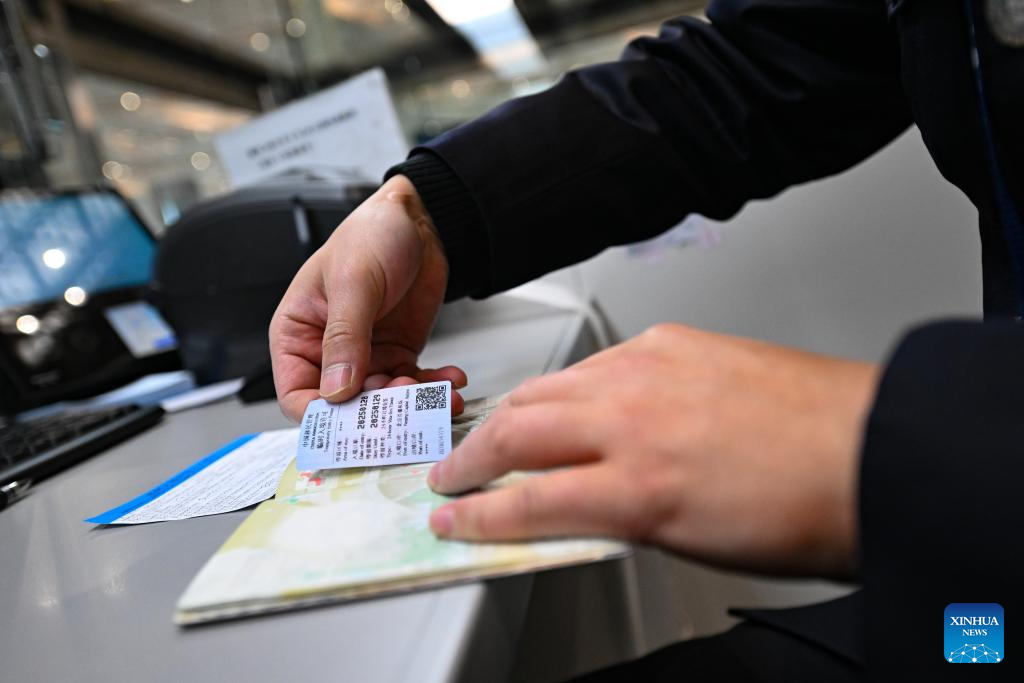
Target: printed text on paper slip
x=395, y=426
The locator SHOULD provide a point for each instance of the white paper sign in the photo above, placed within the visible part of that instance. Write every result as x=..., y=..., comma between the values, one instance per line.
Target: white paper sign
x=350, y=128
x=385, y=427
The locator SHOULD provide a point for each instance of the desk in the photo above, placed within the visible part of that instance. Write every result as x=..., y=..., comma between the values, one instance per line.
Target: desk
x=79, y=603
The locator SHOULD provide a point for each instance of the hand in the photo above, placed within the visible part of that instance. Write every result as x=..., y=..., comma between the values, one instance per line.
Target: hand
x=726, y=450
x=358, y=312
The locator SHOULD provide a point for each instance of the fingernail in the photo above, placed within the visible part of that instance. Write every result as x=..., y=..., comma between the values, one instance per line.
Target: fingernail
x=434, y=475
x=334, y=379
x=442, y=521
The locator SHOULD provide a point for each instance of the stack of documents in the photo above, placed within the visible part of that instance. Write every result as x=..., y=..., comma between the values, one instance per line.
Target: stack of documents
x=334, y=535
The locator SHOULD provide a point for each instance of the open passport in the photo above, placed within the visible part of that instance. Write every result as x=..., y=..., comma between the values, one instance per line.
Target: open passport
x=336, y=535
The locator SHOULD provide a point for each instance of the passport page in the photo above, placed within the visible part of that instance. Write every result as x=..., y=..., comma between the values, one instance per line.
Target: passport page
x=335, y=535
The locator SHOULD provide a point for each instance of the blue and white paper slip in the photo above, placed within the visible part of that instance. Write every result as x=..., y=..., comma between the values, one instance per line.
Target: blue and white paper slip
x=395, y=426
x=242, y=473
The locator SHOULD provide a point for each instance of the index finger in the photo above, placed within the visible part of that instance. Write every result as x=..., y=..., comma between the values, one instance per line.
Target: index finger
x=584, y=500
x=534, y=437
x=294, y=358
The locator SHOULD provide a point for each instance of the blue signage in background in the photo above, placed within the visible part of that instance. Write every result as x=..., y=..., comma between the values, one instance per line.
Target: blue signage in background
x=973, y=633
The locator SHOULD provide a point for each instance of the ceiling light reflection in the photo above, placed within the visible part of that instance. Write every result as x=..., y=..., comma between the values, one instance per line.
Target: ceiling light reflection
x=27, y=324
x=54, y=258
x=113, y=170
x=496, y=30
x=462, y=12
x=200, y=161
x=75, y=296
x=130, y=101
x=259, y=41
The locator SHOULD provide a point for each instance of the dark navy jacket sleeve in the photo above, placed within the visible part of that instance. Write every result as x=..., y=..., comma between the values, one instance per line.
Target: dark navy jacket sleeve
x=940, y=501
x=703, y=118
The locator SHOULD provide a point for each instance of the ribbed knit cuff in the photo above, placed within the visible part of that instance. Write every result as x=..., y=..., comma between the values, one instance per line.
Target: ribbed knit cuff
x=456, y=217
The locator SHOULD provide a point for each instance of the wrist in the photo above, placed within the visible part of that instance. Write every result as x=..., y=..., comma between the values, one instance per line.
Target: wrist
x=454, y=219
x=859, y=385
x=400, y=189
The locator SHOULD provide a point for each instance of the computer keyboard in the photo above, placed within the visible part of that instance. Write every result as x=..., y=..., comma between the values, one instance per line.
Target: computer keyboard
x=36, y=448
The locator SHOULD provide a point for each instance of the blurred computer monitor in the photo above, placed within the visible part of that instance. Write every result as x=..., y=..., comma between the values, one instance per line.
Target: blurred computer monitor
x=74, y=267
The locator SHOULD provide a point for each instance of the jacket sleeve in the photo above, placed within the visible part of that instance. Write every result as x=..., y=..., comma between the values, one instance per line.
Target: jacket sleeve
x=706, y=116
x=940, y=502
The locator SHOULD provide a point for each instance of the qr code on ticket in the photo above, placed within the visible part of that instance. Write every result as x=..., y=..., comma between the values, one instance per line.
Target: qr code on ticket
x=431, y=398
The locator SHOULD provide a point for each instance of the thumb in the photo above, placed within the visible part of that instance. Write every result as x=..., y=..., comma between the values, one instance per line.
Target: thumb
x=346, y=343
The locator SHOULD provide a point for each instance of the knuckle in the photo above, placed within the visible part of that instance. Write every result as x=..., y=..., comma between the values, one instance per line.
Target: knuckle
x=449, y=469
x=656, y=331
x=475, y=518
x=286, y=408
x=642, y=360
x=700, y=428
x=279, y=317
x=523, y=393
x=658, y=494
x=638, y=362
x=665, y=331
x=526, y=505
x=632, y=413
x=504, y=439
x=355, y=271
x=465, y=518
x=502, y=436
x=340, y=331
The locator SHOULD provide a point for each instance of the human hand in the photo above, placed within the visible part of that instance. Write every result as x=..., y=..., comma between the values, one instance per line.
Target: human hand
x=728, y=450
x=359, y=311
